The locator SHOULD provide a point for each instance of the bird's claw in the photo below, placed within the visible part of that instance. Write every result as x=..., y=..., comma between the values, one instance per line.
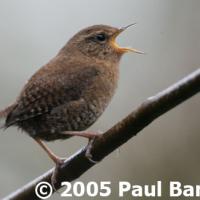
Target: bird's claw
x=54, y=176
x=88, y=150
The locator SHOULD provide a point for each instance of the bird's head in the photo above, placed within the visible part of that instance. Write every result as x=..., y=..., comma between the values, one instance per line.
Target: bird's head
x=99, y=41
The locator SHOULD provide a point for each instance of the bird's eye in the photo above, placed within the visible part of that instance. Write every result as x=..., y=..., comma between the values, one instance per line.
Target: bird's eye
x=101, y=37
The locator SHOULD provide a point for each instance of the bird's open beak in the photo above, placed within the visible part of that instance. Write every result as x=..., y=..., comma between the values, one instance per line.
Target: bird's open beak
x=122, y=49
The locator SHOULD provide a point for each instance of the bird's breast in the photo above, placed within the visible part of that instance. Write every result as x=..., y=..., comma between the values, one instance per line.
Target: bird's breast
x=100, y=93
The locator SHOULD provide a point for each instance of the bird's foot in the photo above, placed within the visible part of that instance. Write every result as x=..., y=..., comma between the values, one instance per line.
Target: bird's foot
x=91, y=135
x=54, y=177
x=88, y=153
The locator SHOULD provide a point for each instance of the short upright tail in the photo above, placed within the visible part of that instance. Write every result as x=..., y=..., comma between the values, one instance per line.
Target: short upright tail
x=4, y=113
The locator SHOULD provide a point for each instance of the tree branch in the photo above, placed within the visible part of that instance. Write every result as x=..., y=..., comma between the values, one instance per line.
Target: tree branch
x=120, y=133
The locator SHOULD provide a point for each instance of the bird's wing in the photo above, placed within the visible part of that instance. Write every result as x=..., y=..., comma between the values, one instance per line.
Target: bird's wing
x=41, y=96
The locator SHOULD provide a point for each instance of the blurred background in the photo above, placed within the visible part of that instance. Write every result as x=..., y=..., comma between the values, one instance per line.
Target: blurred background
x=32, y=32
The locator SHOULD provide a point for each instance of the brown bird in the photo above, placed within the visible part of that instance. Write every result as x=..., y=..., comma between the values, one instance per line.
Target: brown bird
x=69, y=93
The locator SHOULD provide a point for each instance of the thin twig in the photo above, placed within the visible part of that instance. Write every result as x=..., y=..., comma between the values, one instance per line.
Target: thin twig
x=120, y=133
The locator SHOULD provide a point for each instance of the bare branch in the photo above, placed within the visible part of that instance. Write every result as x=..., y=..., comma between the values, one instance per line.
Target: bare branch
x=120, y=133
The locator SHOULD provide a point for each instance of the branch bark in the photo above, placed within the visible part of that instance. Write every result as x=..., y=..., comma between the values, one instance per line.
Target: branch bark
x=120, y=133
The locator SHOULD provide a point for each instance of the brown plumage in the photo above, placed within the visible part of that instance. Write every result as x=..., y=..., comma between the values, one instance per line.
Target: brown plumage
x=71, y=91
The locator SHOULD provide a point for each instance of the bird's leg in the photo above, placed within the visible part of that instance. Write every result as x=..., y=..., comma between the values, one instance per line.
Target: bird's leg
x=57, y=160
x=86, y=134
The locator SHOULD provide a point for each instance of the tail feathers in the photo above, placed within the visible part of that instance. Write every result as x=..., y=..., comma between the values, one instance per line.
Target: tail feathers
x=4, y=113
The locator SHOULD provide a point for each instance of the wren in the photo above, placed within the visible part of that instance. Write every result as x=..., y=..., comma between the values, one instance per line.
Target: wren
x=69, y=93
